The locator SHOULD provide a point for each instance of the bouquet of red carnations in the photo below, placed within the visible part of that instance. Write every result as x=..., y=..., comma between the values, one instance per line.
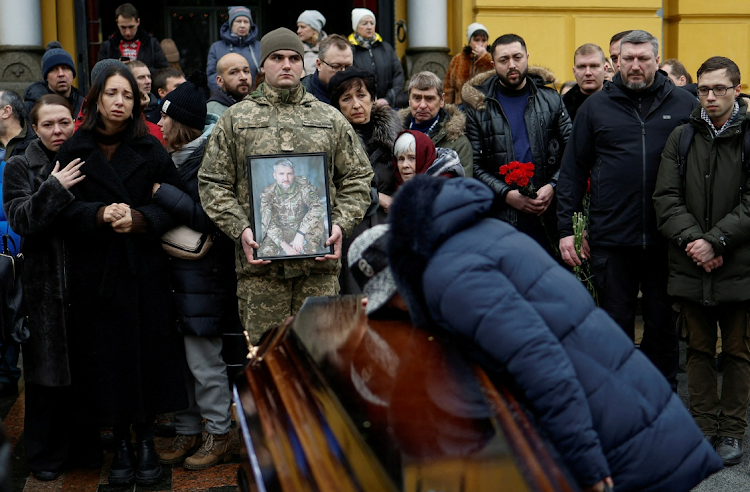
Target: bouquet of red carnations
x=519, y=174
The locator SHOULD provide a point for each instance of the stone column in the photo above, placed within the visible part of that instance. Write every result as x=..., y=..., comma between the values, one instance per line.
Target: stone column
x=427, y=23
x=20, y=44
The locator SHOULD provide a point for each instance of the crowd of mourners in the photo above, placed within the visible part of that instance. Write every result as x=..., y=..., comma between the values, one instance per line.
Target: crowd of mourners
x=125, y=330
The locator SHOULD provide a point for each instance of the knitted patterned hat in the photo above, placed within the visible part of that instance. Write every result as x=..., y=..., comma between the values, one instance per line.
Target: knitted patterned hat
x=357, y=15
x=55, y=56
x=187, y=103
x=280, y=39
x=368, y=262
x=312, y=18
x=238, y=11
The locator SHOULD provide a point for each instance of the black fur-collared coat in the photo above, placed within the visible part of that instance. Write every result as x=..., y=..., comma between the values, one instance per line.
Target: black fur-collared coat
x=125, y=350
x=386, y=125
x=32, y=213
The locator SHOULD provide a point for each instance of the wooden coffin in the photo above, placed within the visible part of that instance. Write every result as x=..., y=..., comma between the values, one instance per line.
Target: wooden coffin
x=333, y=401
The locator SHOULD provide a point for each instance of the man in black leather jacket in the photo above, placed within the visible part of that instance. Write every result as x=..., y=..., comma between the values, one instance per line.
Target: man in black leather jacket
x=511, y=118
x=617, y=141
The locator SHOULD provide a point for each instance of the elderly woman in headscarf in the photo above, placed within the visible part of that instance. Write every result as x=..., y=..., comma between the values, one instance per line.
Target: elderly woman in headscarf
x=376, y=56
x=414, y=153
x=310, y=31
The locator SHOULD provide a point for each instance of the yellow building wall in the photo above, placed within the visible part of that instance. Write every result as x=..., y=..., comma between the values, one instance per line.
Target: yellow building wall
x=689, y=30
x=553, y=29
x=696, y=31
x=58, y=24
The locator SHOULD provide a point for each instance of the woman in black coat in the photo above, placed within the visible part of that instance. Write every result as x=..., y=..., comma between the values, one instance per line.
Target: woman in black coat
x=203, y=289
x=124, y=350
x=35, y=190
x=376, y=56
x=353, y=92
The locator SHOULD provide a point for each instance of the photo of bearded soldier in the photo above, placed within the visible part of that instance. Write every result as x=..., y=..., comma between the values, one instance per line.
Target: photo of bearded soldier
x=280, y=117
x=291, y=214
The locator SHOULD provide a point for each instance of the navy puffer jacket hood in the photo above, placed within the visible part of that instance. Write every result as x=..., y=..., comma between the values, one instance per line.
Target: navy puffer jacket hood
x=605, y=407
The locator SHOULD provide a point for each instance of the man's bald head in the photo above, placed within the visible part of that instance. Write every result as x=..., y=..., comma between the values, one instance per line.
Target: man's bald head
x=229, y=60
x=233, y=75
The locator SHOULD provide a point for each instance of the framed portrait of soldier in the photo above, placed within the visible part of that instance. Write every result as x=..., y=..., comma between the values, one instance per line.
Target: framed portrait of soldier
x=290, y=205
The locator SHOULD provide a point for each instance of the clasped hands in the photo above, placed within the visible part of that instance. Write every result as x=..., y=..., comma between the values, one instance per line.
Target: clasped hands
x=702, y=253
x=536, y=206
x=119, y=216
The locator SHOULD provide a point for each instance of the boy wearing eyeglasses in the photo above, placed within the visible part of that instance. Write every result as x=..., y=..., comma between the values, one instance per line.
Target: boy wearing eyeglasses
x=702, y=202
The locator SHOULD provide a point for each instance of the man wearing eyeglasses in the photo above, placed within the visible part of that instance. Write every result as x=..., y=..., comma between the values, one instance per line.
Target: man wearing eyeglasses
x=335, y=55
x=617, y=139
x=703, y=209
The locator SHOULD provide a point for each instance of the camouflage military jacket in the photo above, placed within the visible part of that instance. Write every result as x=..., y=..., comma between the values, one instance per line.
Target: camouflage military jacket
x=274, y=121
x=287, y=212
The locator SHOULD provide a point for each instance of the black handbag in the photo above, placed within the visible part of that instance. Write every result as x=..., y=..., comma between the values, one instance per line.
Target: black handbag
x=12, y=309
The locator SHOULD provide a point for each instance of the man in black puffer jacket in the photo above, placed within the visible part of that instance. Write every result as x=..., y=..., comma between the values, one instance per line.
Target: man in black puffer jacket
x=510, y=118
x=617, y=140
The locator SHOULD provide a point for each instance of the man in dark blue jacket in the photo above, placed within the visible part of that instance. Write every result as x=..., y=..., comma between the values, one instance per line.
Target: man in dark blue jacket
x=603, y=406
x=513, y=119
x=617, y=140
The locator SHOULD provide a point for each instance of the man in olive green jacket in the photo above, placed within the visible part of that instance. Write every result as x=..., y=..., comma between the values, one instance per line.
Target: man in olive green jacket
x=281, y=117
x=703, y=208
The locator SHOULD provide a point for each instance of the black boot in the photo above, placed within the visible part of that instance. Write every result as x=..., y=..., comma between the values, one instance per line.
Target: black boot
x=121, y=471
x=148, y=470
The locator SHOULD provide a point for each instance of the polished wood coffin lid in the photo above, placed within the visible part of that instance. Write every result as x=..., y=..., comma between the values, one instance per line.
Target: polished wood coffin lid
x=333, y=401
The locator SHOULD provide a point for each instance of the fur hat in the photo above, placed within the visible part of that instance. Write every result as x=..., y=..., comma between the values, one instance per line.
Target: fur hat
x=170, y=50
x=239, y=11
x=55, y=56
x=368, y=263
x=280, y=39
x=312, y=18
x=101, y=65
x=357, y=15
x=473, y=28
x=187, y=103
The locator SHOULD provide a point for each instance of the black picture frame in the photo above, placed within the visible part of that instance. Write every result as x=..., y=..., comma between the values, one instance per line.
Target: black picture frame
x=275, y=222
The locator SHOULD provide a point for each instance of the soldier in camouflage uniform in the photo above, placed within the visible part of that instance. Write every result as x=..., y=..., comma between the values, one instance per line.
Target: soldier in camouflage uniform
x=281, y=117
x=291, y=214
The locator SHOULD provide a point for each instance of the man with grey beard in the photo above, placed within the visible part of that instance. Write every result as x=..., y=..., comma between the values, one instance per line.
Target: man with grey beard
x=617, y=140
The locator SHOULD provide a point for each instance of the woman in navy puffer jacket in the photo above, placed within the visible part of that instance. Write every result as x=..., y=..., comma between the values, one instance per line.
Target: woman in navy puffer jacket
x=606, y=409
x=238, y=35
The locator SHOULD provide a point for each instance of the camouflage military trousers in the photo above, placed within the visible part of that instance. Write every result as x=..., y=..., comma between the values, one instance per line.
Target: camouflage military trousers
x=272, y=300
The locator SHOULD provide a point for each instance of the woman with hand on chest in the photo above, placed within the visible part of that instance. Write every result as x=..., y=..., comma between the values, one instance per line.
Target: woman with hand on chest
x=125, y=354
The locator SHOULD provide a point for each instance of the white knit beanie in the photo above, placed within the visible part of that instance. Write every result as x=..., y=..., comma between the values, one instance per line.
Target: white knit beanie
x=357, y=15
x=476, y=26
